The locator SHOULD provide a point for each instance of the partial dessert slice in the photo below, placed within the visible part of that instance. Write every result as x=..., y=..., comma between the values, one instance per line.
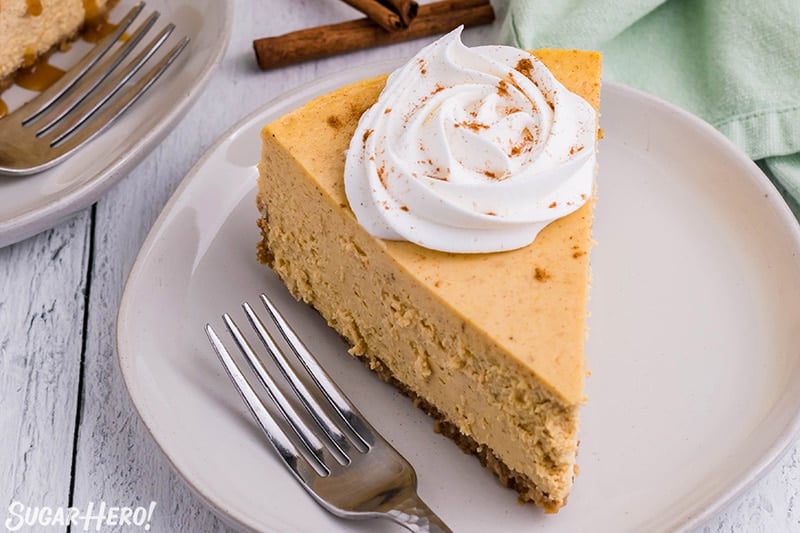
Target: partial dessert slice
x=491, y=345
x=30, y=28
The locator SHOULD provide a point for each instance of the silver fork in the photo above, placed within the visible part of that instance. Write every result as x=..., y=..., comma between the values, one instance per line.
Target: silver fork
x=344, y=464
x=79, y=106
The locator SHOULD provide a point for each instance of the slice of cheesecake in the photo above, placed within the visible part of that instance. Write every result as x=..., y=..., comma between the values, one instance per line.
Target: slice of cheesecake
x=30, y=28
x=490, y=345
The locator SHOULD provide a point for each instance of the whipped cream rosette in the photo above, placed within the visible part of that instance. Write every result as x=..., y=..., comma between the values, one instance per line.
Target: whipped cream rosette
x=470, y=150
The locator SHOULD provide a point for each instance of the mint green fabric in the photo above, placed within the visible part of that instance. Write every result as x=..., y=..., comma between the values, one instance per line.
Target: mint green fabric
x=735, y=63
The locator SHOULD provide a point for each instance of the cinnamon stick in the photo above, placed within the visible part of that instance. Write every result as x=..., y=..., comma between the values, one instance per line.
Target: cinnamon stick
x=407, y=9
x=325, y=41
x=379, y=13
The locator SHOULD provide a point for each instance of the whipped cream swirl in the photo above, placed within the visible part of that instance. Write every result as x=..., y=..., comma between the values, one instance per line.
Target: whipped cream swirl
x=470, y=150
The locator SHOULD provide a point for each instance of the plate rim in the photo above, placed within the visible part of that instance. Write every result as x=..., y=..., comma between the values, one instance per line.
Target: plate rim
x=756, y=470
x=32, y=222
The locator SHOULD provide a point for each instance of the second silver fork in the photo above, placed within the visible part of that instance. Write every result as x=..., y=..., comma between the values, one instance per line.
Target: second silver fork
x=79, y=106
x=343, y=463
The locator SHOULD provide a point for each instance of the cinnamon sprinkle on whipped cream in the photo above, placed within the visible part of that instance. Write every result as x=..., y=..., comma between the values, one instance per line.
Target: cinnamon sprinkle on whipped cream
x=470, y=150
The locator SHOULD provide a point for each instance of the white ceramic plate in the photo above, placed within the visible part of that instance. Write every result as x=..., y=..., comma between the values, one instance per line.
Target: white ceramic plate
x=35, y=203
x=695, y=323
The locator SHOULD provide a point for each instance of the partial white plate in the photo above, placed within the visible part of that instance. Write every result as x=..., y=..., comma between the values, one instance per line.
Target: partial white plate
x=695, y=323
x=29, y=205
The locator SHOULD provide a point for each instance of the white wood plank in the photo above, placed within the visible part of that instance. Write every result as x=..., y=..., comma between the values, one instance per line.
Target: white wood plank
x=42, y=283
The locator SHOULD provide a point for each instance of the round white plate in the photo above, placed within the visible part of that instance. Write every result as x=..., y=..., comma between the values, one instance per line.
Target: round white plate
x=35, y=203
x=694, y=328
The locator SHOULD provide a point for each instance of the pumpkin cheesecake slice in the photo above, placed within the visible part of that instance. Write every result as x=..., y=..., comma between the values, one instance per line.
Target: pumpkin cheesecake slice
x=489, y=343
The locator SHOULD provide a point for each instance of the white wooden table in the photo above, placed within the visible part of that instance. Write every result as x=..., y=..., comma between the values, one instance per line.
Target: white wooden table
x=68, y=432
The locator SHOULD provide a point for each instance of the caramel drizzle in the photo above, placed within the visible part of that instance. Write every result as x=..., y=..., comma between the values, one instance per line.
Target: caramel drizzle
x=97, y=23
x=34, y=8
x=91, y=9
x=96, y=29
x=38, y=74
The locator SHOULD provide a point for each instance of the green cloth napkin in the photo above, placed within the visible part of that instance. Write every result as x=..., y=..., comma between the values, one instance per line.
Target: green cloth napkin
x=735, y=63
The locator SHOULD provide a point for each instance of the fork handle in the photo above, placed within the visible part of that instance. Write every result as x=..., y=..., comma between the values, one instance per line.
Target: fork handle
x=413, y=514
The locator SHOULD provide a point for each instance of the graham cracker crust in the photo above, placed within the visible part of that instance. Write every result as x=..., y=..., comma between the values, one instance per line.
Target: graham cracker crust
x=521, y=483
x=263, y=253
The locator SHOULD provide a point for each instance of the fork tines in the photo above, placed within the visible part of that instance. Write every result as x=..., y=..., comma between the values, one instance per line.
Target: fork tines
x=338, y=458
x=344, y=430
